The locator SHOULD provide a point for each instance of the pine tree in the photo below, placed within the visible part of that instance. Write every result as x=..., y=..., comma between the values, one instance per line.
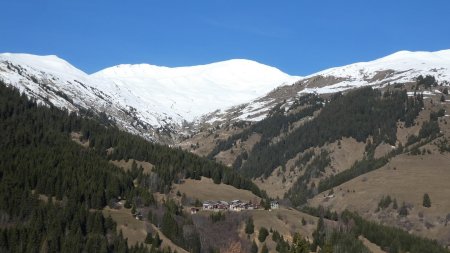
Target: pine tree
x=319, y=234
x=426, y=200
x=249, y=226
x=403, y=210
x=299, y=245
x=263, y=233
x=149, y=238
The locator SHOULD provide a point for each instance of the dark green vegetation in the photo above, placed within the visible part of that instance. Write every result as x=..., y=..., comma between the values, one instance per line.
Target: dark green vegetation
x=343, y=235
x=263, y=233
x=37, y=154
x=359, y=114
x=426, y=200
x=276, y=123
x=299, y=192
x=427, y=82
x=249, y=226
x=39, y=157
x=388, y=238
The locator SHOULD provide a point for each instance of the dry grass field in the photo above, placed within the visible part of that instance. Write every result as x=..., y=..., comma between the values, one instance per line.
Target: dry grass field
x=132, y=229
x=285, y=221
x=405, y=178
x=206, y=189
x=135, y=230
x=126, y=165
x=75, y=136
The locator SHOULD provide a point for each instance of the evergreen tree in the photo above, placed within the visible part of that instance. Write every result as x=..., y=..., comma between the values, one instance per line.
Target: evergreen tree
x=319, y=234
x=426, y=200
x=299, y=244
x=403, y=210
x=263, y=233
x=249, y=226
x=149, y=238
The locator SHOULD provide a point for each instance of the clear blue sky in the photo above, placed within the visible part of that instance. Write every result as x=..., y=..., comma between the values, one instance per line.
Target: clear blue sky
x=298, y=37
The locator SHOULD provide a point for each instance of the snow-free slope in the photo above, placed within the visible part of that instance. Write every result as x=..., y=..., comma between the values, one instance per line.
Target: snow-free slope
x=191, y=92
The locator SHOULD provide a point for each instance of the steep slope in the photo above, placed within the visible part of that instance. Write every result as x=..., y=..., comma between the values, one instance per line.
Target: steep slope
x=53, y=81
x=155, y=102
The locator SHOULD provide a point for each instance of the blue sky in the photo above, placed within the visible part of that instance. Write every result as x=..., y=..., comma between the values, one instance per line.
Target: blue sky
x=298, y=37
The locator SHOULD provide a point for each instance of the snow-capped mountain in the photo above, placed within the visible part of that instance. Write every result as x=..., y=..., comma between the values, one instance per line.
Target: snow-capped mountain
x=149, y=100
x=190, y=92
x=400, y=67
x=160, y=103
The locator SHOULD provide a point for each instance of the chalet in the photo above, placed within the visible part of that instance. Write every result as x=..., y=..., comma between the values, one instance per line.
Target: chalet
x=222, y=205
x=209, y=205
x=274, y=204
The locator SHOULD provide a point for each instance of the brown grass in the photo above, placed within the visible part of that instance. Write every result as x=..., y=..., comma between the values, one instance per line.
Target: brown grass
x=207, y=140
x=206, y=189
x=76, y=137
x=126, y=165
x=285, y=221
x=405, y=178
x=134, y=230
x=228, y=157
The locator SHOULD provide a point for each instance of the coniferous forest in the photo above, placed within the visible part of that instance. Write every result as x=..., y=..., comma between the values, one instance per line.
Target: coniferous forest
x=38, y=158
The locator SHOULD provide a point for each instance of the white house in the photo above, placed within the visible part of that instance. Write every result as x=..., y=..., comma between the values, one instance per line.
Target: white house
x=274, y=205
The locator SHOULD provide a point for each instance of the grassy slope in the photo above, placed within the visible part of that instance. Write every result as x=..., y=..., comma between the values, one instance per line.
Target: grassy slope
x=135, y=230
x=412, y=177
x=206, y=189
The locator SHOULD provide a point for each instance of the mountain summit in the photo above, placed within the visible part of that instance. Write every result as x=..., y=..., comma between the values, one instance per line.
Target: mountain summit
x=144, y=99
x=191, y=92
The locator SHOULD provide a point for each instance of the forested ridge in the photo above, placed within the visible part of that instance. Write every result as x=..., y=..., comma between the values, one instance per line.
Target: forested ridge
x=38, y=158
x=278, y=121
x=359, y=114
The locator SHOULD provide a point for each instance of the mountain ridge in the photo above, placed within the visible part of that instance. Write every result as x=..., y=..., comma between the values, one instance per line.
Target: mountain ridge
x=163, y=103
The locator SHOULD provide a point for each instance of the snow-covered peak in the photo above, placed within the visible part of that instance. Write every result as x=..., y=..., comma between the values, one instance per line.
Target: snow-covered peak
x=193, y=91
x=145, y=99
x=399, y=61
x=49, y=63
x=400, y=67
x=230, y=73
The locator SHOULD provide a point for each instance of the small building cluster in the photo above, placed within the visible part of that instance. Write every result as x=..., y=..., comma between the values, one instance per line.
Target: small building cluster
x=235, y=205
